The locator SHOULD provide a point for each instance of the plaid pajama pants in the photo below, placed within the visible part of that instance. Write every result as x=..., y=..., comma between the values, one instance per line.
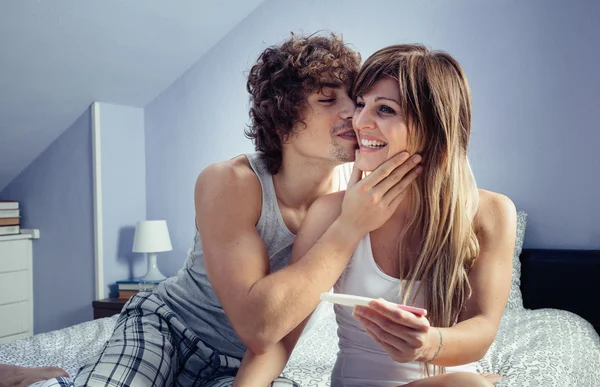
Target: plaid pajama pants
x=151, y=347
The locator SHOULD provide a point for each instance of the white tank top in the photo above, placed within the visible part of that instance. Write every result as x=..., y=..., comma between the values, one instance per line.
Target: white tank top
x=361, y=361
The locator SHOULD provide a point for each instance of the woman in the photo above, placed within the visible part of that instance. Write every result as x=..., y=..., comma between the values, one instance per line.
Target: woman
x=447, y=247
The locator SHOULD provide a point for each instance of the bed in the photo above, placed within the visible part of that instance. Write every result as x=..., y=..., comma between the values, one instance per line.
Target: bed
x=537, y=343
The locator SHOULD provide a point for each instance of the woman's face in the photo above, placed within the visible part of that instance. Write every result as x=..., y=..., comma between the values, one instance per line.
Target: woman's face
x=380, y=124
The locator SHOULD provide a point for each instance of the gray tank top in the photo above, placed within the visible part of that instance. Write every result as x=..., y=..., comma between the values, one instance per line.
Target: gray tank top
x=189, y=293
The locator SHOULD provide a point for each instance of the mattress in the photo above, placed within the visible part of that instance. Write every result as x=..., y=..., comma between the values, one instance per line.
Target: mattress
x=544, y=347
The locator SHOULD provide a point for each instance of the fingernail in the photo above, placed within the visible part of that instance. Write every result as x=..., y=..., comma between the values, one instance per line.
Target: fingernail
x=416, y=158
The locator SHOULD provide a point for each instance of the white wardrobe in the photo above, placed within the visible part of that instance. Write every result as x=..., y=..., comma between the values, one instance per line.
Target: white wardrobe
x=16, y=285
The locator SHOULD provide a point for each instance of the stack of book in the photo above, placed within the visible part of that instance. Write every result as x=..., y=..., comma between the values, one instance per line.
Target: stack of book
x=10, y=217
x=128, y=288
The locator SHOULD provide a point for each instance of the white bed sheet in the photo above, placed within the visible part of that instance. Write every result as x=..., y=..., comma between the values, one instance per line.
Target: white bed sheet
x=67, y=348
x=547, y=347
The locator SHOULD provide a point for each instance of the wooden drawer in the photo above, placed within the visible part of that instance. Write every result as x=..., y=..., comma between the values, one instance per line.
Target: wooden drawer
x=15, y=318
x=14, y=287
x=14, y=255
x=107, y=307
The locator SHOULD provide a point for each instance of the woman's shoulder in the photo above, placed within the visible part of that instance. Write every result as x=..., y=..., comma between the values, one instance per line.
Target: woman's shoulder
x=491, y=198
x=495, y=212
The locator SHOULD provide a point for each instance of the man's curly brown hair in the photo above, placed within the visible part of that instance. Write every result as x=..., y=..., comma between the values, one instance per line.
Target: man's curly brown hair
x=280, y=82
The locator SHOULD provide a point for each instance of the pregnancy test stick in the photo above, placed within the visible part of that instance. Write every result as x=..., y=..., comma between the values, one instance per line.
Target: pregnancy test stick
x=349, y=300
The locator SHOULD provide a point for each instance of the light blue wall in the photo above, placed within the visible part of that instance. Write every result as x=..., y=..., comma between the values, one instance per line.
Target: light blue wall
x=55, y=194
x=533, y=73
x=190, y=125
x=123, y=190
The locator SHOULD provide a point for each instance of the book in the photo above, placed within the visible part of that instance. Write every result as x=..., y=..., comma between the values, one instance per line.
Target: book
x=126, y=294
x=9, y=230
x=9, y=221
x=138, y=281
x=136, y=284
x=9, y=205
x=10, y=213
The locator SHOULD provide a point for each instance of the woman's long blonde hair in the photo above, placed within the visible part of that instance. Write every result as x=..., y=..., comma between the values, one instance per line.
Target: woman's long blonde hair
x=436, y=100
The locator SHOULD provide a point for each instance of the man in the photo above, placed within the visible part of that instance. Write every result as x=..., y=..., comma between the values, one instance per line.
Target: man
x=236, y=292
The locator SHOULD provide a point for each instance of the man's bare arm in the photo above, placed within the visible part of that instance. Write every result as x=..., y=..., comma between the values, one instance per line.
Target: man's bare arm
x=259, y=370
x=259, y=305
x=264, y=307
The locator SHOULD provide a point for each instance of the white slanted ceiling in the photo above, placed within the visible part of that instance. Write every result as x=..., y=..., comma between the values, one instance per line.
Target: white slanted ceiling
x=57, y=57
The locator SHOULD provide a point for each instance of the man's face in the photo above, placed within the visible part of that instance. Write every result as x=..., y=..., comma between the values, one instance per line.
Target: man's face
x=326, y=132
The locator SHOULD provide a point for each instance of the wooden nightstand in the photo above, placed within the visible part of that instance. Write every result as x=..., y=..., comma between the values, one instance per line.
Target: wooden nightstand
x=107, y=307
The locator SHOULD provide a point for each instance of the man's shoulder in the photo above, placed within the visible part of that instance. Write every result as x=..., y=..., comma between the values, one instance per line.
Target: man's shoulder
x=228, y=174
x=233, y=179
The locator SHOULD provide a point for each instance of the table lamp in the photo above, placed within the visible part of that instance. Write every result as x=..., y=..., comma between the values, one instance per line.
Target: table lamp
x=152, y=237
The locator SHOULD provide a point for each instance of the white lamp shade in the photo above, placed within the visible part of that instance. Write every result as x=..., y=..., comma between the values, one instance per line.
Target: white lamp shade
x=151, y=236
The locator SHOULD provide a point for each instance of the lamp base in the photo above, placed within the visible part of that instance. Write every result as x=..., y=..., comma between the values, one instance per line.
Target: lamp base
x=153, y=273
